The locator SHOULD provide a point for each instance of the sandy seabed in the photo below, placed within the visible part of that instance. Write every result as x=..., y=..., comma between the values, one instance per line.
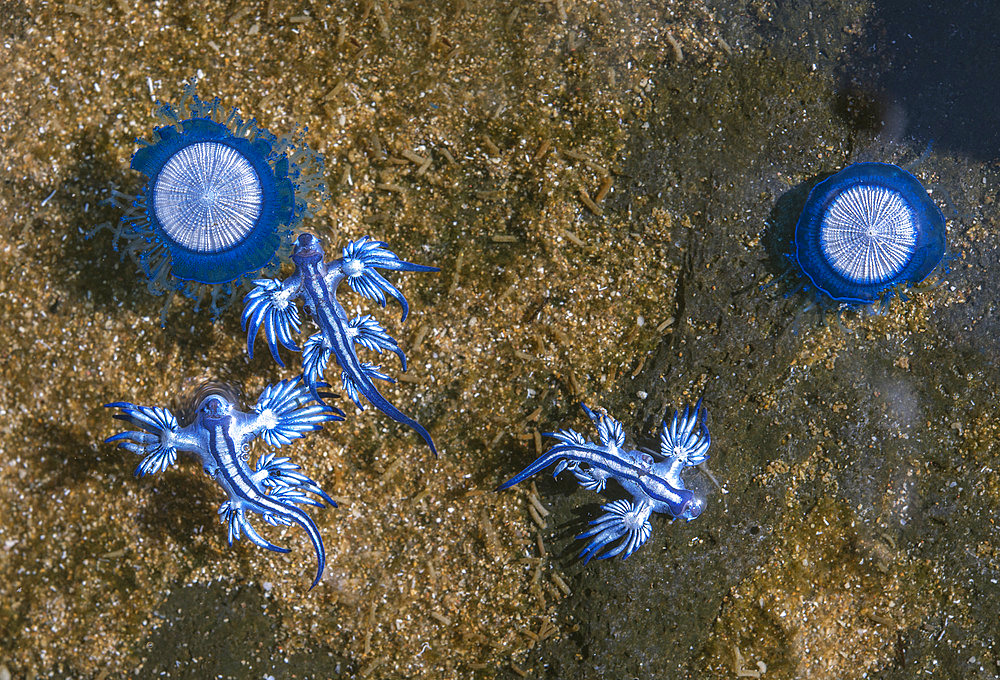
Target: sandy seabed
x=598, y=182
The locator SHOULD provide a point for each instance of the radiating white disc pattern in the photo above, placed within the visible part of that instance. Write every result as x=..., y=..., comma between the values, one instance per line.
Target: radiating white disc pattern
x=868, y=234
x=207, y=197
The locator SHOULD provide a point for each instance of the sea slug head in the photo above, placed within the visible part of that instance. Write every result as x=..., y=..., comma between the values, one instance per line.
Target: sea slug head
x=195, y=393
x=215, y=407
x=692, y=509
x=308, y=249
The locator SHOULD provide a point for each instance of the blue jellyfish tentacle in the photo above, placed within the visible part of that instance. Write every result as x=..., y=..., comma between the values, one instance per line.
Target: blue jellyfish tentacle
x=866, y=231
x=221, y=201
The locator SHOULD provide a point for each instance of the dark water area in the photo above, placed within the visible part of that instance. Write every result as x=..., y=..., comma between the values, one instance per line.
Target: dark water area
x=610, y=190
x=937, y=62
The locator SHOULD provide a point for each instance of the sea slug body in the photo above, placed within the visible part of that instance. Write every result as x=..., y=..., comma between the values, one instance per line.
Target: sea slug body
x=271, y=304
x=220, y=435
x=655, y=485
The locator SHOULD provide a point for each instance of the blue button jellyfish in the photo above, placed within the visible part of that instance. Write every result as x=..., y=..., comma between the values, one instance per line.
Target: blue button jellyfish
x=866, y=230
x=220, y=202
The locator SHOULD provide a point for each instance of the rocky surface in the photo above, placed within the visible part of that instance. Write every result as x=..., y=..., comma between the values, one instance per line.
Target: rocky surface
x=607, y=188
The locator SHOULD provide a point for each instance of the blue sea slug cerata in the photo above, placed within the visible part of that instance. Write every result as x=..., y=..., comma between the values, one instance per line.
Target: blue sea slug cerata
x=271, y=305
x=220, y=435
x=655, y=484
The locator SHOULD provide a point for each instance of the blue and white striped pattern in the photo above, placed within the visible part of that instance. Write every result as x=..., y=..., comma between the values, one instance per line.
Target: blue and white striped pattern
x=220, y=435
x=207, y=197
x=866, y=230
x=868, y=234
x=220, y=203
x=655, y=485
x=271, y=305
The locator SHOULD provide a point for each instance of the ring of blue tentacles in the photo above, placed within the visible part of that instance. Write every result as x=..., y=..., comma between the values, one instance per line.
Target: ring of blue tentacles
x=214, y=200
x=867, y=229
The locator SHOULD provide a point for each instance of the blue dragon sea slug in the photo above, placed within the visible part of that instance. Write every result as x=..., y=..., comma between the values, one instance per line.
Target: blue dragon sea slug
x=220, y=435
x=271, y=304
x=655, y=484
x=865, y=230
x=221, y=199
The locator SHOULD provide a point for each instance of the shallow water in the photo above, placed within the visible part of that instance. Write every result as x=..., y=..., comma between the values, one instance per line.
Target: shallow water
x=605, y=187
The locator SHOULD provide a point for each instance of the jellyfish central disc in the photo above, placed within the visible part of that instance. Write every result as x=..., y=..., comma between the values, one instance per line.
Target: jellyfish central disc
x=207, y=197
x=868, y=234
